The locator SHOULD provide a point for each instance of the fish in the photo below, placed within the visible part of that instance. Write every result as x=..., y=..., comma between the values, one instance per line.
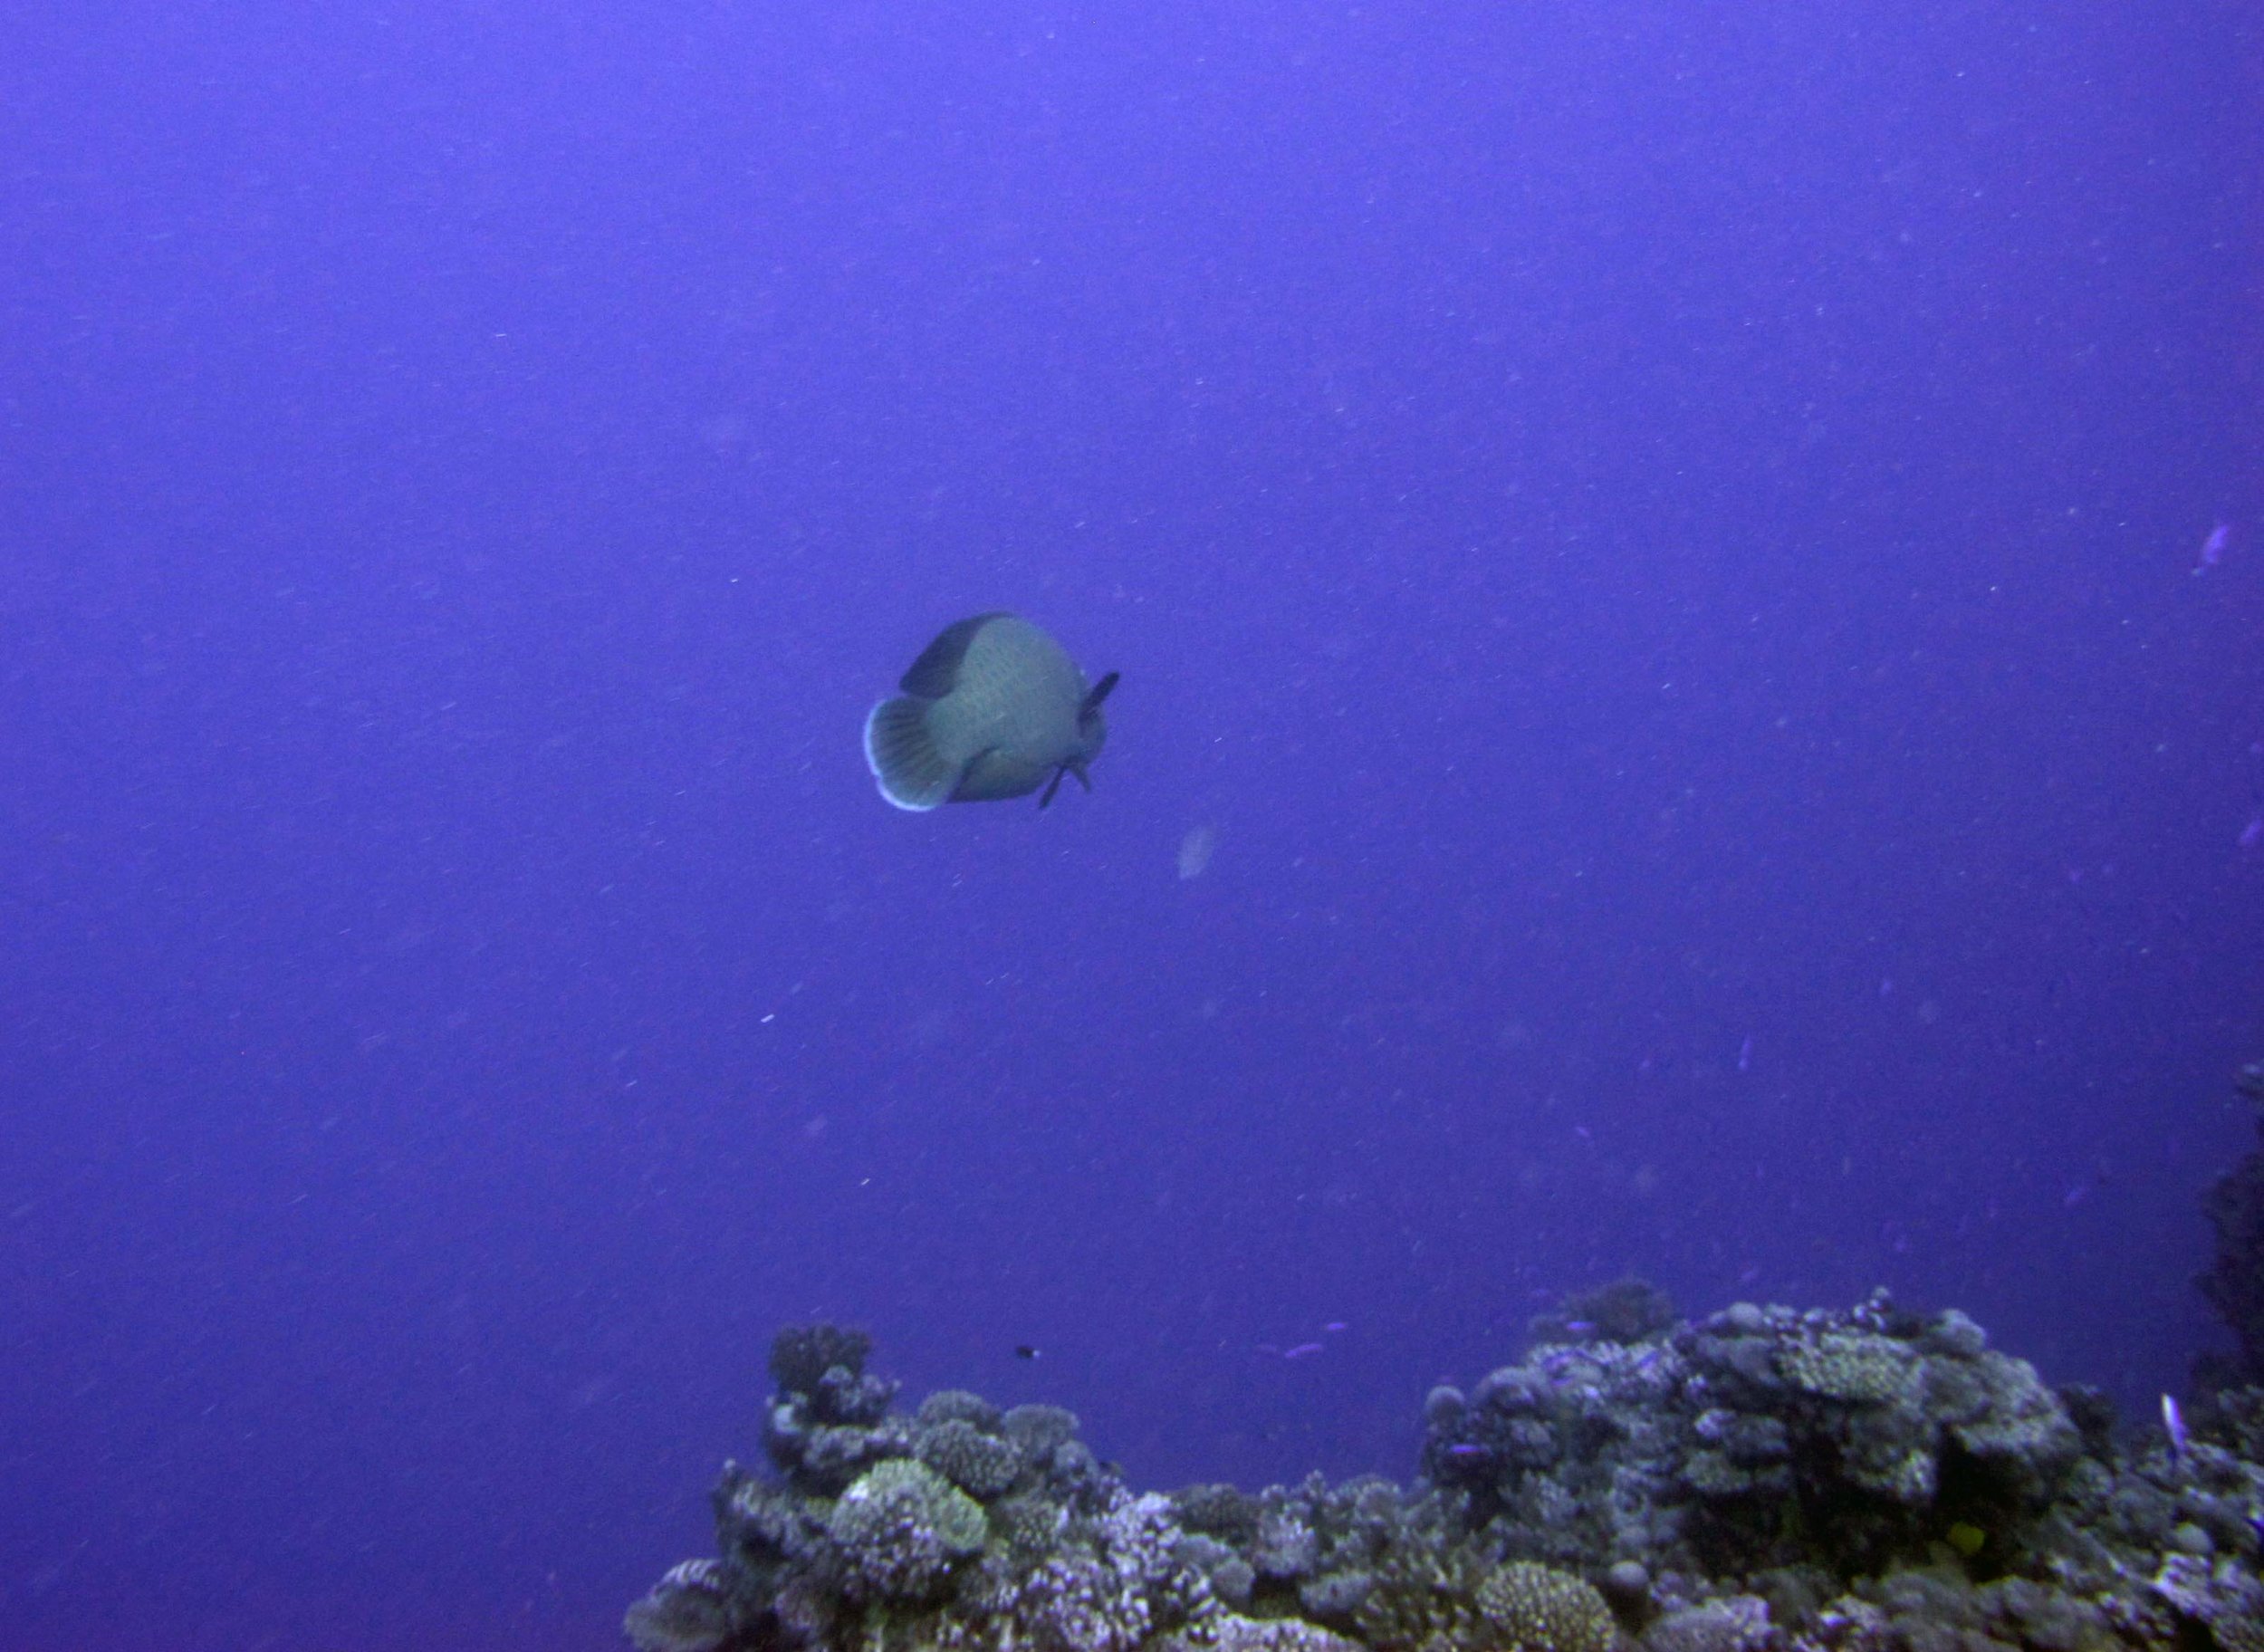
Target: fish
x=2174, y=1425
x=993, y=708
x=1195, y=850
x=2213, y=547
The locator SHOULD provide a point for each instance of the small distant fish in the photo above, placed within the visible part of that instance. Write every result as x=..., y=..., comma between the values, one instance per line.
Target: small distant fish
x=1195, y=850
x=1022, y=1350
x=1301, y=1350
x=2213, y=547
x=2253, y=833
x=992, y=708
x=1465, y=1450
x=2102, y=1176
x=1336, y=1325
x=2174, y=1425
x=1745, y=1054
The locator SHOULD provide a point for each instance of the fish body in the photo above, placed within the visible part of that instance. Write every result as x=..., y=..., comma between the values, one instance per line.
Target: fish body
x=993, y=708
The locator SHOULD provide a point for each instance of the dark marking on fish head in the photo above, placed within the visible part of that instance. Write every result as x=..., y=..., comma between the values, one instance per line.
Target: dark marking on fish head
x=936, y=673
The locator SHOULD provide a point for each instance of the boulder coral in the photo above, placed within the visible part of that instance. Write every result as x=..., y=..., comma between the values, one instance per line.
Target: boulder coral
x=900, y=1528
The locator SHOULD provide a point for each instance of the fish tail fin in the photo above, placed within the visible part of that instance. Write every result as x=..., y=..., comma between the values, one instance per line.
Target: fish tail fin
x=903, y=757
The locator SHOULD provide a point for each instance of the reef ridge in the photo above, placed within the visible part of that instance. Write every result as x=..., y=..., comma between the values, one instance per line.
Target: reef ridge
x=1760, y=1480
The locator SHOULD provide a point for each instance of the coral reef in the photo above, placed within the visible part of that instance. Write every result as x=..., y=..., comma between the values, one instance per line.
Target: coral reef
x=1625, y=1310
x=1756, y=1438
x=1758, y=1481
x=2234, y=1281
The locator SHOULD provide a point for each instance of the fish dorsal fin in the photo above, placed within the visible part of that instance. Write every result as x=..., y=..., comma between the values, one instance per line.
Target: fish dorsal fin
x=936, y=673
x=1098, y=693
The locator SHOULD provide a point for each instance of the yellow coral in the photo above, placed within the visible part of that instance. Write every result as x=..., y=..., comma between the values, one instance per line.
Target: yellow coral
x=1531, y=1608
x=1851, y=1365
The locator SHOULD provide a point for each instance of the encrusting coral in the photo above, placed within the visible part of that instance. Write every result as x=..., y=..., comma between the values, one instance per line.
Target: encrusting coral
x=1760, y=1481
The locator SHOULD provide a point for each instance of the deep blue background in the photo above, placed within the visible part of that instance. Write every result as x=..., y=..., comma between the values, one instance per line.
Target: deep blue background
x=1638, y=526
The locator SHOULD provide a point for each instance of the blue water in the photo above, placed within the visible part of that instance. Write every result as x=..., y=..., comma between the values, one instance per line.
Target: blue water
x=1655, y=545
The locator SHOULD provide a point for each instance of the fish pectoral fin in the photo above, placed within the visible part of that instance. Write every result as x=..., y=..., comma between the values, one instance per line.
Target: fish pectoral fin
x=1071, y=767
x=1098, y=693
